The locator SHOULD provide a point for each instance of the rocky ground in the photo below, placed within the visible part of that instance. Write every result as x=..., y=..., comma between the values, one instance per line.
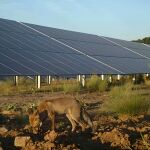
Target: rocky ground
x=112, y=132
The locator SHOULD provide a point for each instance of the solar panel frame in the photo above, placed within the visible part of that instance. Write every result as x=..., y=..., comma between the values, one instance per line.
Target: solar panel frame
x=29, y=49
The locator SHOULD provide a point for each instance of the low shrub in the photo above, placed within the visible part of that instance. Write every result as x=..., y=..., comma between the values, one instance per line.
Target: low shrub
x=70, y=88
x=6, y=87
x=139, y=79
x=95, y=83
x=125, y=100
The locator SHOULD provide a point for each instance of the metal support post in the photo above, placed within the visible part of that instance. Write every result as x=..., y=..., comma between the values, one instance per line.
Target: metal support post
x=83, y=80
x=38, y=82
x=49, y=79
x=102, y=76
x=78, y=78
x=133, y=79
x=118, y=77
x=110, y=79
x=147, y=75
x=16, y=80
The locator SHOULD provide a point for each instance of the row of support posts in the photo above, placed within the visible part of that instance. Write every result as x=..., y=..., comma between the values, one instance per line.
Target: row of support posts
x=80, y=78
x=110, y=78
x=38, y=80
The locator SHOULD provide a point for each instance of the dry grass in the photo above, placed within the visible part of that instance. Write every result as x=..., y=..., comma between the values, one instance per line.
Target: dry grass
x=27, y=85
x=125, y=100
x=71, y=88
x=145, y=141
x=95, y=83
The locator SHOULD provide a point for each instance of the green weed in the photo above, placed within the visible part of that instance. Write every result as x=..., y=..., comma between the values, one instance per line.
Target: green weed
x=125, y=100
x=95, y=83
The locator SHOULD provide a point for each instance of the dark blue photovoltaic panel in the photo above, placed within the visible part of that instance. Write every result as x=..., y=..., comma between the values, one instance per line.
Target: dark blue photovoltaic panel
x=128, y=64
x=117, y=57
x=101, y=50
x=13, y=26
x=5, y=70
x=108, y=52
x=68, y=35
x=25, y=51
x=136, y=47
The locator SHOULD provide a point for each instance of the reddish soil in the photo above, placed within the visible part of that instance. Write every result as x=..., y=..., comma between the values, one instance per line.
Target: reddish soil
x=112, y=132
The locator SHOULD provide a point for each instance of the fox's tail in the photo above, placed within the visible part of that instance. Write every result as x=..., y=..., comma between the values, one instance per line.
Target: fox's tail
x=87, y=118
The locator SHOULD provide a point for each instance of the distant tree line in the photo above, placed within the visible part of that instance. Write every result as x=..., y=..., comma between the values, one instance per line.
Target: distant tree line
x=145, y=40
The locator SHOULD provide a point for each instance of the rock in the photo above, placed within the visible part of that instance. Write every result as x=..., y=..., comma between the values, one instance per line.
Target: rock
x=131, y=128
x=1, y=148
x=21, y=141
x=116, y=138
x=123, y=117
x=65, y=148
x=28, y=128
x=69, y=146
x=100, y=134
x=73, y=146
x=141, y=117
x=48, y=145
x=95, y=124
x=135, y=119
x=94, y=138
x=146, y=136
x=123, y=126
x=10, y=112
x=144, y=129
x=50, y=136
x=96, y=133
x=30, y=146
x=3, y=130
x=139, y=145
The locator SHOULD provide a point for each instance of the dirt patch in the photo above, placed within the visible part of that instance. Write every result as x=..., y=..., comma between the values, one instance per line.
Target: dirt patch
x=116, y=138
x=112, y=132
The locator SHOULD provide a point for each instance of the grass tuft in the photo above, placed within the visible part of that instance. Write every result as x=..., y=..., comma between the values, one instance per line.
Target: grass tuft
x=125, y=100
x=6, y=87
x=70, y=88
x=95, y=83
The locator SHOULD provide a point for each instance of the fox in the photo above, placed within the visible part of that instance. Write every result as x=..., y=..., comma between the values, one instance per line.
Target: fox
x=75, y=113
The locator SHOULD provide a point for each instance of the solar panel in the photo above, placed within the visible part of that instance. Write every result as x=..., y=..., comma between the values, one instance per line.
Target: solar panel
x=138, y=48
x=27, y=53
x=27, y=49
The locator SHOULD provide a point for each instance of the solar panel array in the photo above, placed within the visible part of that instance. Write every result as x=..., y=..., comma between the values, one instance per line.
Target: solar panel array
x=27, y=49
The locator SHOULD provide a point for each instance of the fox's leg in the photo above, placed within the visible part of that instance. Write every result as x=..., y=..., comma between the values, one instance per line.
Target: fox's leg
x=78, y=120
x=82, y=124
x=52, y=116
x=73, y=123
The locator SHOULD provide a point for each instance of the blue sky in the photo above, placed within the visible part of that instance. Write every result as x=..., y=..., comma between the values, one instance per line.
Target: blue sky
x=123, y=19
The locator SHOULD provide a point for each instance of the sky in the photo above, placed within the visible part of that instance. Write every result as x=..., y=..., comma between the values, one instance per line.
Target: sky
x=122, y=19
